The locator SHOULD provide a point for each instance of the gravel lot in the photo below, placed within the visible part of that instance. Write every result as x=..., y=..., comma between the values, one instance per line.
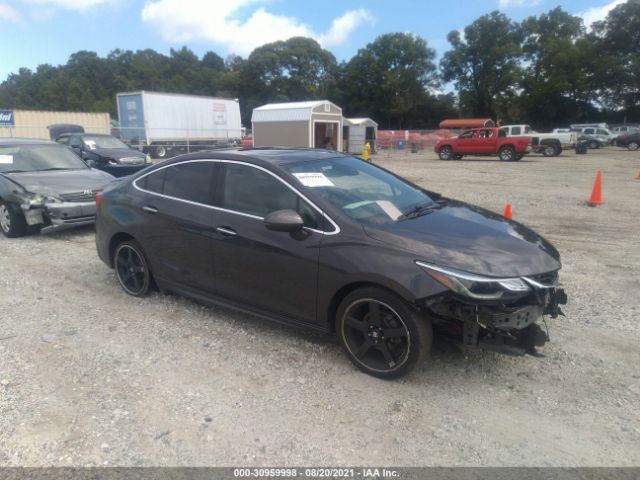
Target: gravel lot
x=91, y=376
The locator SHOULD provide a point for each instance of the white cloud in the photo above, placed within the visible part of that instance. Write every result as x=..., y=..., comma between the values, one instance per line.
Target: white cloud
x=9, y=14
x=596, y=14
x=78, y=5
x=517, y=3
x=186, y=20
x=342, y=27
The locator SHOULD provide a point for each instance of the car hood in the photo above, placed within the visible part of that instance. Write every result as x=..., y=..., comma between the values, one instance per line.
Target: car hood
x=469, y=238
x=117, y=153
x=61, y=181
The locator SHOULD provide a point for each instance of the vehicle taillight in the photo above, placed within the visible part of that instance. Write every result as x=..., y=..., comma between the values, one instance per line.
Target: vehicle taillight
x=98, y=199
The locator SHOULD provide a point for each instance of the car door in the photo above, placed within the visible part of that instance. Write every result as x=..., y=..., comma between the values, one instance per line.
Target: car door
x=485, y=143
x=255, y=267
x=465, y=143
x=177, y=228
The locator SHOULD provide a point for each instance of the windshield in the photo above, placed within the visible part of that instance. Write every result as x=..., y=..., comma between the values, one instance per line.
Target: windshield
x=30, y=158
x=362, y=191
x=98, y=141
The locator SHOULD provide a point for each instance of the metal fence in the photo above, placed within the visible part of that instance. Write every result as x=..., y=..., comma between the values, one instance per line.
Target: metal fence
x=410, y=141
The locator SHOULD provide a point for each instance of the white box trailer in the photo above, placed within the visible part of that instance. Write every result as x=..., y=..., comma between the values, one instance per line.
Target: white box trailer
x=168, y=123
x=34, y=123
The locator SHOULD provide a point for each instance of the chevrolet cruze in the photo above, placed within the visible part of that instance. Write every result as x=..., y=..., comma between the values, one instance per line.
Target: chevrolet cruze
x=330, y=242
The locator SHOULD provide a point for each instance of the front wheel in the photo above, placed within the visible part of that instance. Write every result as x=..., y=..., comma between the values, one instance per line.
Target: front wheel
x=160, y=151
x=457, y=156
x=132, y=269
x=12, y=222
x=633, y=146
x=593, y=145
x=445, y=153
x=381, y=334
x=507, y=154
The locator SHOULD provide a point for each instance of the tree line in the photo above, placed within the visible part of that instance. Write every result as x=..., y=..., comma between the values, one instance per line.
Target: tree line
x=548, y=70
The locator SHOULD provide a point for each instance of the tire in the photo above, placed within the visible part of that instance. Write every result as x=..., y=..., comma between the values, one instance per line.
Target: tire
x=457, y=156
x=519, y=157
x=361, y=332
x=132, y=269
x=445, y=153
x=160, y=151
x=633, y=146
x=593, y=145
x=507, y=154
x=549, y=151
x=12, y=221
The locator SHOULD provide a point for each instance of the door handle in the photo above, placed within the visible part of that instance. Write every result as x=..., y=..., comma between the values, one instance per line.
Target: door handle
x=150, y=209
x=226, y=231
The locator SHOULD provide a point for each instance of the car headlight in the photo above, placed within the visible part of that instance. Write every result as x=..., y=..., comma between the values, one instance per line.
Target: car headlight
x=35, y=200
x=476, y=286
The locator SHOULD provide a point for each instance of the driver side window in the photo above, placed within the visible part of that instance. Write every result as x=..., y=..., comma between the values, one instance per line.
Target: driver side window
x=255, y=192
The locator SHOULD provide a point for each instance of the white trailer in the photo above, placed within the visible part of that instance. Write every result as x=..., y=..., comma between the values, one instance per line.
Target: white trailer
x=34, y=123
x=168, y=123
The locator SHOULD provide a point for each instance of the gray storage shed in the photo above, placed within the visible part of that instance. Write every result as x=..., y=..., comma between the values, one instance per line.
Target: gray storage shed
x=357, y=131
x=314, y=124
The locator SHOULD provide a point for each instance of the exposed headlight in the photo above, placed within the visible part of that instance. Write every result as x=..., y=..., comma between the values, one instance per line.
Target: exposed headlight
x=35, y=200
x=476, y=286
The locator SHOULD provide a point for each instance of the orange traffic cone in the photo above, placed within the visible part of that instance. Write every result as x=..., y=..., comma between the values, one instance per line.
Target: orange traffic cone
x=507, y=211
x=596, y=193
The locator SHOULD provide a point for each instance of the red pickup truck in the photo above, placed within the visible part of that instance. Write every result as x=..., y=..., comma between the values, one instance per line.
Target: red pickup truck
x=483, y=141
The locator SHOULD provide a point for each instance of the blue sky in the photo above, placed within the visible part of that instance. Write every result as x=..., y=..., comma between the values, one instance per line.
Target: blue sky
x=48, y=31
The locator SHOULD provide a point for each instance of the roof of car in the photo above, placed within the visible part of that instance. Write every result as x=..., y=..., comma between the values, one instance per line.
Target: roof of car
x=24, y=141
x=273, y=155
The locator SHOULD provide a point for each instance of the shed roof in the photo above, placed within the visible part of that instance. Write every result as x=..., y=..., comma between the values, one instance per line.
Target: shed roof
x=361, y=121
x=287, y=112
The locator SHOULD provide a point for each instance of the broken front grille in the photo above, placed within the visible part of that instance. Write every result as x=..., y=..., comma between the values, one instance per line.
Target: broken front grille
x=86, y=196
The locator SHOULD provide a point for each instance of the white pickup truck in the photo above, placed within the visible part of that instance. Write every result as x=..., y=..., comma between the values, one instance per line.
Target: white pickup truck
x=548, y=144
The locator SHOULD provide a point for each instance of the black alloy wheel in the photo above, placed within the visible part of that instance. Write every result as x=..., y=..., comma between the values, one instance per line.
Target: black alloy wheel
x=132, y=269
x=381, y=334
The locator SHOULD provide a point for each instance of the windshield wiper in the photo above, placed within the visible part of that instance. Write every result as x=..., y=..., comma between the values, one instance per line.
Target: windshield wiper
x=54, y=168
x=418, y=210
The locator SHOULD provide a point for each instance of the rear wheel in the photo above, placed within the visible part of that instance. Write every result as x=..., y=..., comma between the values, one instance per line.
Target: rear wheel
x=160, y=151
x=519, y=157
x=445, y=153
x=12, y=222
x=457, y=156
x=507, y=154
x=593, y=144
x=549, y=151
x=132, y=269
x=381, y=334
x=633, y=146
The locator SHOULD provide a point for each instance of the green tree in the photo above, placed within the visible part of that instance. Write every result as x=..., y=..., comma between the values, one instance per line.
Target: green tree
x=290, y=70
x=557, y=84
x=389, y=80
x=617, y=46
x=484, y=65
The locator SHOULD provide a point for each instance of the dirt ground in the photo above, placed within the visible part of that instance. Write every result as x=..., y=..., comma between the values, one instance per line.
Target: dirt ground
x=91, y=376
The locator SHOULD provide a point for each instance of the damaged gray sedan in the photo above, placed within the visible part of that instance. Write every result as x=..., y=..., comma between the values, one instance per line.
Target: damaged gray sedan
x=45, y=187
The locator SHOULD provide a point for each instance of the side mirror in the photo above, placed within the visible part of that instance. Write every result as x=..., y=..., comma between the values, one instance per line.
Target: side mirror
x=284, y=221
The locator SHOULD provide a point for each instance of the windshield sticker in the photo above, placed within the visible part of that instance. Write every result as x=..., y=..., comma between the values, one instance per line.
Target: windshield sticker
x=6, y=159
x=314, y=179
x=390, y=209
x=91, y=144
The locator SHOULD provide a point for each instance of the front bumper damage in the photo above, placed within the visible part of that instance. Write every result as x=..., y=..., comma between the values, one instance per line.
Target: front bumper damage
x=55, y=216
x=511, y=329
